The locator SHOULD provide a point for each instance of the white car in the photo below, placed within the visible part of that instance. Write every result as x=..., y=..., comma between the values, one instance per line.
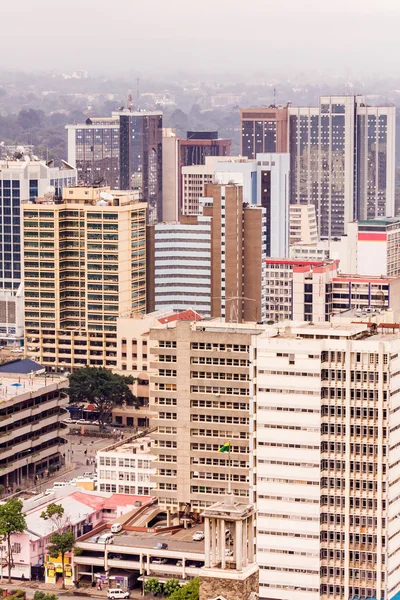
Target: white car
x=117, y=593
x=198, y=536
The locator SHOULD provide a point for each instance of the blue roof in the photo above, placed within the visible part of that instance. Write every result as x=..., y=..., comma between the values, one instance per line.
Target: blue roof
x=21, y=366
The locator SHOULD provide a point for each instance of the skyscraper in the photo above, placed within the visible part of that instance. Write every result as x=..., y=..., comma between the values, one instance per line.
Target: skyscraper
x=85, y=264
x=342, y=161
x=141, y=157
x=124, y=152
x=263, y=130
x=21, y=180
x=199, y=144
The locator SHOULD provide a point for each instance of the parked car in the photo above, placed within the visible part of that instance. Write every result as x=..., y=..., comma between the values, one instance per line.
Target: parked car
x=113, y=556
x=161, y=546
x=198, y=536
x=116, y=527
x=159, y=561
x=117, y=593
x=106, y=538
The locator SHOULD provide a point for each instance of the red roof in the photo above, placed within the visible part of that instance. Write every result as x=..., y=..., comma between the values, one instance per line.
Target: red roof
x=185, y=315
x=99, y=502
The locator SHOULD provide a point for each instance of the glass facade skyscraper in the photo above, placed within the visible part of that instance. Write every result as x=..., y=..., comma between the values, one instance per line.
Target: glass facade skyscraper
x=342, y=161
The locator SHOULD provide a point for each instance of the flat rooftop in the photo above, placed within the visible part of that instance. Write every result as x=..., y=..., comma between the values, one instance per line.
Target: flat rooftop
x=139, y=446
x=12, y=385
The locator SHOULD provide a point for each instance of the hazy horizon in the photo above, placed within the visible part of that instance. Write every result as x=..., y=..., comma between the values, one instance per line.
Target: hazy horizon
x=347, y=38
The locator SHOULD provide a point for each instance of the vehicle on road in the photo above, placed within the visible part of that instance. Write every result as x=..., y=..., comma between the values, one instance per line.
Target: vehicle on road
x=106, y=538
x=198, y=536
x=117, y=593
x=116, y=527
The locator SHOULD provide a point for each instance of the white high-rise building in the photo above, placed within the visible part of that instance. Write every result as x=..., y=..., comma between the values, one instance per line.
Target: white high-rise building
x=21, y=180
x=328, y=469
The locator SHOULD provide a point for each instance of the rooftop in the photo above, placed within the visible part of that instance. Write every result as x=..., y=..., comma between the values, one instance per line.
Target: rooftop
x=138, y=446
x=21, y=366
x=13, y=385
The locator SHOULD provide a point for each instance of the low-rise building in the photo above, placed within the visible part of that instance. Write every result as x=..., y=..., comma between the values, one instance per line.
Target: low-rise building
x=126, y=467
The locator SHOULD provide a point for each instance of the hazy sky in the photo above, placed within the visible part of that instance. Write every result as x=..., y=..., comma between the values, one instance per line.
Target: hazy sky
x=336, y=36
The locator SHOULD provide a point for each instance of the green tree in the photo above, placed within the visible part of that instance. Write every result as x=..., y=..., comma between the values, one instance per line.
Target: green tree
x=1, y=490
x=12, y=520
x=189, y=591
x=170, y=586
x=152, y=586
x=62, y=540
x=43, y=596
x=102, y=388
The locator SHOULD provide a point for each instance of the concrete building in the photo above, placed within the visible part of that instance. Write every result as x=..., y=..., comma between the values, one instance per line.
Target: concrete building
x=85, y=264
x=303, y=224
x=263, y=130
x=342, y=161
x=170, y=175
x=126, y=467
x=22, y=178
x=315, y=290
x=124, y=152
x=94, y=149
x=378, y=247
x=182, y=259
x=327, y=472
x=32, y=432
x=199, y=145
x=201, y=389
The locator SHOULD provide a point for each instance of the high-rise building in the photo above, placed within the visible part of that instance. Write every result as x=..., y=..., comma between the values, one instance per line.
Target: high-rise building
x=141, y=157
x=170, y=175
x=342, y=161
x=124, y=152
x=85, y=264
x=327, y=462
x=263, y=130
x=94, y=149
x=21, y=180
x=199, y=144
x=201, y=389
x=303, y=224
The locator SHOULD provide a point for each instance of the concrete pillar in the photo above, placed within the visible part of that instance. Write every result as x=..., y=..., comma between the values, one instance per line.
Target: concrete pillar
x=239, y=545
x=244, y=543
x=168, y=517
x=207, y=548
x=250, y=544
x=213, y=543
x=222, y=543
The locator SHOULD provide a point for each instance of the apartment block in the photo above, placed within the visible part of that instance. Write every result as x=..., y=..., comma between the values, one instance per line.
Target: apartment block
x=33, y=434
x=378, y=247
x=201, y=390
x=85, y=264
x=263, y=130
x=327, y=432
x=194, y=180
x=303, y=224
x=170, y=175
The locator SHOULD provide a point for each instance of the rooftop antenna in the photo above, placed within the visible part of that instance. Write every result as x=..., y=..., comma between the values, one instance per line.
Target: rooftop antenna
x=274, y=103
x=137, y=92
x=130, y=100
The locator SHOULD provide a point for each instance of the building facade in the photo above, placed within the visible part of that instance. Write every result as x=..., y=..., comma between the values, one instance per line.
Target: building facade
x=94, y=149
x=85, y=264
x=327, y=472
x=201, y=390
x=199, y=144
x=342, y=161
x=170, y=175
x=303, y=224
x=21, y=180
x=263, y=130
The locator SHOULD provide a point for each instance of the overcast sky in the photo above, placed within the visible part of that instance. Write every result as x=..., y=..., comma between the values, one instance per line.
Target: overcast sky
x=334, y=36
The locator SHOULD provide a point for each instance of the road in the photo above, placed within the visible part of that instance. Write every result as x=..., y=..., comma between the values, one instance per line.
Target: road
x=32, y=587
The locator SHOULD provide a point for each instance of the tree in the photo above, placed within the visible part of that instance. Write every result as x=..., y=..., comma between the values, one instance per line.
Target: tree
x=43, y=596
x=103, y=389
x=170, y=586
x=12, y=520
x=152, y=585
x=189, y=591
x=62, y=540
x=2, y=488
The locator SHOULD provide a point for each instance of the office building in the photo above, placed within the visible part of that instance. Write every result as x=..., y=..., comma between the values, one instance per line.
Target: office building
x=32, y=431
x=21, y=179
x=170, y=175
x=199, y=144
x=141, y=157
x=194, y=180
x=182, y=259
x=342, y=161
x=303, y=224
x=126, y=467
x=327, y=462
x=124, y=152
x=263, y=130
x=378, y=247
x=94, y=149
x=201, y=389
x=85, y=264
